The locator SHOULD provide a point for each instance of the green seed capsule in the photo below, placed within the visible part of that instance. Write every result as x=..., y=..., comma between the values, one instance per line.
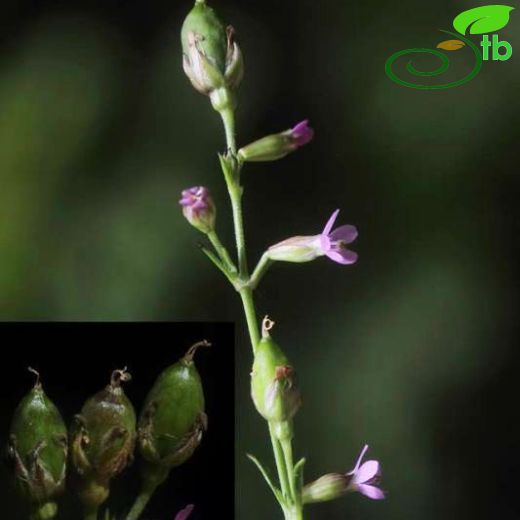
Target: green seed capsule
x=38, y=451
x=173, y=420
x=273, y=387
x=103, y=440
x=212, y=60
x=203, y=22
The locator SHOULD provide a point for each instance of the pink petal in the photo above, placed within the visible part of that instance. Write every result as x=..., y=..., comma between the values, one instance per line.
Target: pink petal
x=342, y=256
x=367, y=471
x=324, y=243
x=360, y=458
x=185, y=513
x=345, y=234
x=330, y=223
x=371, y=492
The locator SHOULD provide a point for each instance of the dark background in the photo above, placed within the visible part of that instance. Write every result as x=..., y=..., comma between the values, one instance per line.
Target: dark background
x=76, y=360
x=413, y=350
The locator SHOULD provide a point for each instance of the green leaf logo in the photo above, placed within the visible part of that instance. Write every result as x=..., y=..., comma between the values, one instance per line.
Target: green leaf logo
x=481, y=20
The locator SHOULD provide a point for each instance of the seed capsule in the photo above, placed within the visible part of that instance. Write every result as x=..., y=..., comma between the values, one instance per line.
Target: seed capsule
x=173, y=420
x=212, y=59
x=38, y=451
x=273, y=386
x=103, y=440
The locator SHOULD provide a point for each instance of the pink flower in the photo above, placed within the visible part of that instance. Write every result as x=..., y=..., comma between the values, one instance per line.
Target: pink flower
x=301, y=133
x=198, y=208
x=365, y=477
x=330, y=243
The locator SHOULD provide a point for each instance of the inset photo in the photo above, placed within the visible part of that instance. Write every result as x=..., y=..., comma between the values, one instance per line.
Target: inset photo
x=118, y=421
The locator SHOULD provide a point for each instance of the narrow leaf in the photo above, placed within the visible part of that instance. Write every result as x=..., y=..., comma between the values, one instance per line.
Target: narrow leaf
x=277, y=493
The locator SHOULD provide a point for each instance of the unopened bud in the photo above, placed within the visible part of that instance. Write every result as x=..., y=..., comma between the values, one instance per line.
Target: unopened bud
x=198, y=208
x=276, y=146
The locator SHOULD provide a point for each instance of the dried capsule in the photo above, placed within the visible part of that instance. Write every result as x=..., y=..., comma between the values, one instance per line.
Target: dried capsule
x=173, y=419
x=103, y=440
x=38, y=451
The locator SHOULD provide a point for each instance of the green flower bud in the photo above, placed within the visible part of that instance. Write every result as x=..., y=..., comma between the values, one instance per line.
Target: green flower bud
x=103, y=440
x=276, y=146
x=38, y=451
x=273, y=388
x=211, y=58
x=173, y=420
x=328, y=487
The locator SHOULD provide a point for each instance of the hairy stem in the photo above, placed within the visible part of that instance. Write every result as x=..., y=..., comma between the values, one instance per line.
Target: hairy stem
x=292, y=508
x=221, y=251
x=260, y=270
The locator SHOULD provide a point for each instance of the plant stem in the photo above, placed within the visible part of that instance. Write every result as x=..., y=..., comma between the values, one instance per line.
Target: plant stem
x=221, y=251
x=280, y=465
x=235, y=194
x=140, y=504
x=283, y=455
x=249, y=310
x=295, y=486
x=228, y=118
x=260, y=270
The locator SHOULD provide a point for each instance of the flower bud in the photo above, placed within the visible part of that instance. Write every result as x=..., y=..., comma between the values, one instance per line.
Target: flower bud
x=273, y=387
x=173, y=420
x=211, y=58
x=276, y=146
x=37, y=451
x=328, y=487
x=198, y=208
x=103, y=440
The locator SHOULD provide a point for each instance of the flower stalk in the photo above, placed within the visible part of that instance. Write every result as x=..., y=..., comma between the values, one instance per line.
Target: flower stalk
x=215, y=68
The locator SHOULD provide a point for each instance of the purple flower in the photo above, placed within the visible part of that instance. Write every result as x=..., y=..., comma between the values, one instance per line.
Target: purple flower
x=333, y=244
x=184, y=513
x=365, y=477
x=306, y=248
x=198, y=208
x=301, y=133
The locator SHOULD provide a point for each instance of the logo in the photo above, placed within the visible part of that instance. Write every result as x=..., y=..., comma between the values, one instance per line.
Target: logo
x=480, y=20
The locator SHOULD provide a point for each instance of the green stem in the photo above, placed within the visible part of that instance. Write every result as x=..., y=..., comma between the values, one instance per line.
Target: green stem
x=289, y=464
x=228, y=118
x=249, y=310
x=260, y=269
x=140, y=504
x=221, y=251
x=292, y=508
x=280, y=465
x=153, y=476
x=294, y=513
x=235, y=194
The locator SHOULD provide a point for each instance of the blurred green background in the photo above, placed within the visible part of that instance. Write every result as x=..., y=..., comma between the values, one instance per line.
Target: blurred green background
x=413, y=349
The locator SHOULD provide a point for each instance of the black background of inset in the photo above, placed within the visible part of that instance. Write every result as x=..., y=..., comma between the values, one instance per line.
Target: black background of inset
x=76, y=360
